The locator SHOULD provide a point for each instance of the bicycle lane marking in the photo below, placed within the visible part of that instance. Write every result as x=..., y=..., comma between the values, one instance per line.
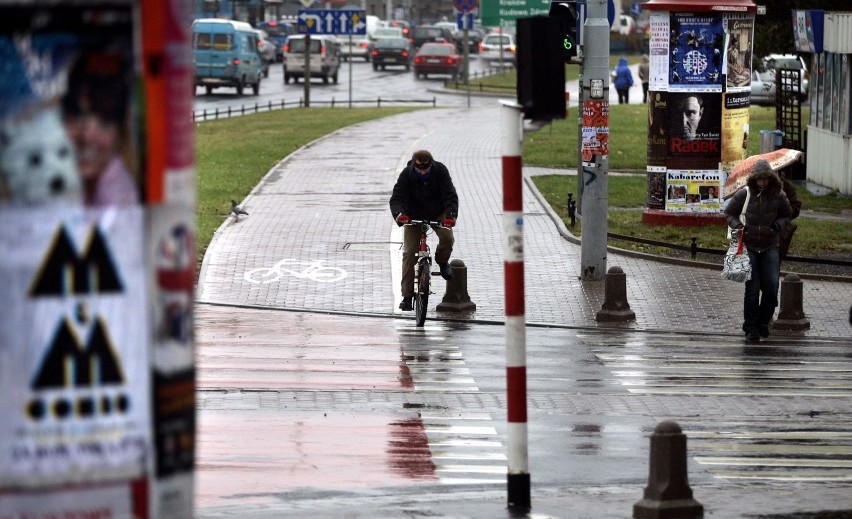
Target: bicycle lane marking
x=314, y=270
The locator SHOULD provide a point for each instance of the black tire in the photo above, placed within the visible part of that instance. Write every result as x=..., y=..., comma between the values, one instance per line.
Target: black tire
x=208, y=89
x=421, y=299
x=255, y=88
x=375, y=67
x=240, y=88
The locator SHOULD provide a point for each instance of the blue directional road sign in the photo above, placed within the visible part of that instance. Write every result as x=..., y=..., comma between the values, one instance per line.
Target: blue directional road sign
x=332, y=21
x=464, y=21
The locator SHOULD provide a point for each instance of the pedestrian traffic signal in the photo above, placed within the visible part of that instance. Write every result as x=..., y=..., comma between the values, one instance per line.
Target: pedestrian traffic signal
x=568, y=13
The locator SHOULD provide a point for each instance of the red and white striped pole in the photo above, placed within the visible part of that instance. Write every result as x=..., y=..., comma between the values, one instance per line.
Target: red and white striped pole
x=516, y=370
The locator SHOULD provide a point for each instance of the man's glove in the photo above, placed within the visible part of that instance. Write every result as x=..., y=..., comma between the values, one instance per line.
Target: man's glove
x=449, y=222
x=402, y=219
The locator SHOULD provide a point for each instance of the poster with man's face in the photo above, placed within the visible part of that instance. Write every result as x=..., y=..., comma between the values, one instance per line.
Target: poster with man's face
x=694, y=140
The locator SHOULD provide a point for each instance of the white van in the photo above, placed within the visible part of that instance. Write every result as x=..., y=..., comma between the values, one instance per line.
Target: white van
x=325, y=57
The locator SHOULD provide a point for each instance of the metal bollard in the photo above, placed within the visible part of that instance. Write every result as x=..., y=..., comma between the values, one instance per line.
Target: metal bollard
x=791, y=316
x=668, y=494
x=615, y=307
x=456, y=298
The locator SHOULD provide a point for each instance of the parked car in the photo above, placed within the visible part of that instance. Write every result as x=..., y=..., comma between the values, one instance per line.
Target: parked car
x=225, y=53
x=359, y=47
x=421, y=34
x=325, y=58
x=278, y=32
x=763, y=82
x=499, y=47
x=267, y=50
x=391, y=51
x=438, y=58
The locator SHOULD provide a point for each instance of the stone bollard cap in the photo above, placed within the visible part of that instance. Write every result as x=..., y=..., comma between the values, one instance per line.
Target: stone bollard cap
x=615, y=270
x=668, y=427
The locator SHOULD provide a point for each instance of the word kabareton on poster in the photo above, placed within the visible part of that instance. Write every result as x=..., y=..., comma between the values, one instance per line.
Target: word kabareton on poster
x=698, y=106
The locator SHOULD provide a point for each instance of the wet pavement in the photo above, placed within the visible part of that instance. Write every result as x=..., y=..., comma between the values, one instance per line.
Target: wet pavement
x=318, y=397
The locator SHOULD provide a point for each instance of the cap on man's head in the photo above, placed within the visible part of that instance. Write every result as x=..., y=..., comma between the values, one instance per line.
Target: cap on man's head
x=761, y=168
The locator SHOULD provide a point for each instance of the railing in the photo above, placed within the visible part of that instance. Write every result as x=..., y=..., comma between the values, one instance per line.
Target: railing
x=694, y=250
x=213, y=114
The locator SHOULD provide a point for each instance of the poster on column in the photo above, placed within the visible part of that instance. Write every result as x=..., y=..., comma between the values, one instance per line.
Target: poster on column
x=595, y=130
x=74, y=333
x=658, y=128
x=735, y=129
x=658, y=49
x=693, y=190
x=694, y=130
x=695, y=51
x=738, y=53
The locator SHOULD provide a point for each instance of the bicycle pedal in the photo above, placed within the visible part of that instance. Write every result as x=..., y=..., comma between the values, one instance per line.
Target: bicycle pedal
x=436, y=273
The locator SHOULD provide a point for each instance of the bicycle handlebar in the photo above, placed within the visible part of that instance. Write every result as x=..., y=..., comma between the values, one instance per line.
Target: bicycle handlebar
x=431, y=224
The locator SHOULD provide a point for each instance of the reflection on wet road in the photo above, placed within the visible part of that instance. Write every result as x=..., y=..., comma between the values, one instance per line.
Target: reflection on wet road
x=294, y=406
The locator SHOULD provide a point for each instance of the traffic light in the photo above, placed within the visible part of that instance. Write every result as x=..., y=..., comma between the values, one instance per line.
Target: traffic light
x=569, y=14
x=541, y=69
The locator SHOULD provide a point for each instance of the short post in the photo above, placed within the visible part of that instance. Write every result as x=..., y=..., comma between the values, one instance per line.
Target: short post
x=668, y=494
x=572, y=209
x=791, y=316
x=456, y=298
x=615, y=306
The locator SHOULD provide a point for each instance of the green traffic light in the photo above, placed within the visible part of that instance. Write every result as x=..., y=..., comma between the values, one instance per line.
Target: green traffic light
x=568, y=44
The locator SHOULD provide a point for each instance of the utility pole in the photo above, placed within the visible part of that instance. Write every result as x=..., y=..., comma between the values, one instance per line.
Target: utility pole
x=593, y=170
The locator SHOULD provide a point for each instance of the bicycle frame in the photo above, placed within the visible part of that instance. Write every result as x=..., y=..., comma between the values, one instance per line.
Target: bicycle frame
x=422, y=289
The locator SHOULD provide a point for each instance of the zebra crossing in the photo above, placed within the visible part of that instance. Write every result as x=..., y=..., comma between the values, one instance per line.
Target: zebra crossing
x=766, y=440
x=465, y=445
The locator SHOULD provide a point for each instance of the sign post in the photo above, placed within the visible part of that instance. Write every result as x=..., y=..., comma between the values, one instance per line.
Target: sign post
x=329, y=21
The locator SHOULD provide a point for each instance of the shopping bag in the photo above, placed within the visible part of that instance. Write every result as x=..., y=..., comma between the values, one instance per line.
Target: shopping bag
x=737, y=266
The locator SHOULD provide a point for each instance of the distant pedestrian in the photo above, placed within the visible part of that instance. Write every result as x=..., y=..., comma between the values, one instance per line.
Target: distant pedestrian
x=643, y=76
x=767, y=213
x=623, y=81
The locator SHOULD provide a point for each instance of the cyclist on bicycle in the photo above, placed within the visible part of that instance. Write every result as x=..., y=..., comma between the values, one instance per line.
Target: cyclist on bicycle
x=424, y=191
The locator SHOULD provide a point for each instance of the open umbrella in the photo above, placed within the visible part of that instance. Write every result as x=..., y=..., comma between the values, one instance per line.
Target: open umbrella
x=777, y=159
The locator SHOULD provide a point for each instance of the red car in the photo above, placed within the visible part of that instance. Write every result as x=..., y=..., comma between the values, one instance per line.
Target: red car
x=438, y=58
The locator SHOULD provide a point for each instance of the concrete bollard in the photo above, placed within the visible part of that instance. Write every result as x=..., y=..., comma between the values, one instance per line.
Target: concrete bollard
x=791, y=316
x=456, y=298
x=668, y=494
x=615, y=307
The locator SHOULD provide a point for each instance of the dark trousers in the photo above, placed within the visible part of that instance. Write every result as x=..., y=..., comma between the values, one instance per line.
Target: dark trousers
x=761, y=291
x=644, y=92
x=623, y=95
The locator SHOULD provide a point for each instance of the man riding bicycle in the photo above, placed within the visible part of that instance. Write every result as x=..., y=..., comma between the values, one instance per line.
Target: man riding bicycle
x=424, y=191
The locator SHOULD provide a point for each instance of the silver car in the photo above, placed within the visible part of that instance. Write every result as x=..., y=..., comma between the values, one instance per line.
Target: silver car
x=499, y=47
x=763, y=83
x=359, y=47
x=266, y=49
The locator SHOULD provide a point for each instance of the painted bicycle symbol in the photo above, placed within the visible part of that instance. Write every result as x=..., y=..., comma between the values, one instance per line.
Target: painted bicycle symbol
x=313, y=270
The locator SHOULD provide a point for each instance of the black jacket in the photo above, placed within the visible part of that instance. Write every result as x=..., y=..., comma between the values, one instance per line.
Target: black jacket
x=766, y=214
x=425, y=199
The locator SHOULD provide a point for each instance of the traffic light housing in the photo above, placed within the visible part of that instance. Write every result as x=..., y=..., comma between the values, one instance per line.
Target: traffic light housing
x=541, y=69
x=568, y=13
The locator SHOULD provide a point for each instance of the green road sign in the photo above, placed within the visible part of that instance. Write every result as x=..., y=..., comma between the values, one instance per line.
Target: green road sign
x=503, y=13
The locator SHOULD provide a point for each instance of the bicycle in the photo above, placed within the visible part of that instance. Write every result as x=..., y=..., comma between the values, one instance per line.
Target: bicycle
x=423, y=271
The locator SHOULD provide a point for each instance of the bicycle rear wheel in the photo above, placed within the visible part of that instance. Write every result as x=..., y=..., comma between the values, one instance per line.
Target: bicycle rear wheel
x=421, y=298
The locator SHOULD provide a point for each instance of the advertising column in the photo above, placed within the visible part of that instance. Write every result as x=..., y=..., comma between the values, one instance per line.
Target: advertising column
x=96, y=363
x=698, y=105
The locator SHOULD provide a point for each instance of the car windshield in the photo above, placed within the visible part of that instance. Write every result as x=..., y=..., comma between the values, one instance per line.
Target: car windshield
x=497, y=40
x=390, y=31
x=427, y=32
x=441, y=50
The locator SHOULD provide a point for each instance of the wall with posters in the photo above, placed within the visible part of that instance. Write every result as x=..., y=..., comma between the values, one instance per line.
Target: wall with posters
x=698, y=105
x=96, y=347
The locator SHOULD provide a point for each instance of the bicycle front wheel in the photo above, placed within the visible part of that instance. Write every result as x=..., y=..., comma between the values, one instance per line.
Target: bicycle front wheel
x=421, y=298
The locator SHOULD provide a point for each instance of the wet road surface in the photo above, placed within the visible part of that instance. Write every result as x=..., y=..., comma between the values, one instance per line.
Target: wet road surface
x=331, y=413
